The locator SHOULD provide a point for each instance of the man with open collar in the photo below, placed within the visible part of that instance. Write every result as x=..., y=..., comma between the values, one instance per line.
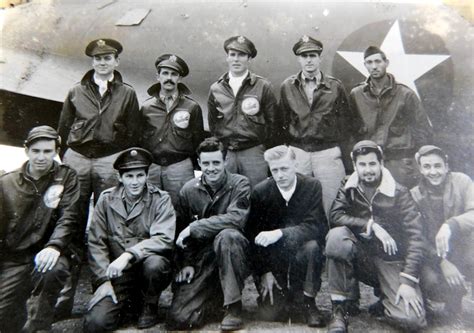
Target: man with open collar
x=317, y=123
x=243, y=112
x=171, y=126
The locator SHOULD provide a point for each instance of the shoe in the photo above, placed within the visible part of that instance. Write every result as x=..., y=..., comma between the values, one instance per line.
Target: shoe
x=232, y=319
x=339, y=321
x=312, y=314
x=377, y=309
x=149, y=316
x=353, y=308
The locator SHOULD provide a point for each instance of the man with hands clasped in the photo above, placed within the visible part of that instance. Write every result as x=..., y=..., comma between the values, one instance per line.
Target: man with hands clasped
x=376, y=237
x=446, y=202
x=130, y=247
x=288, y=225
x=38, y=215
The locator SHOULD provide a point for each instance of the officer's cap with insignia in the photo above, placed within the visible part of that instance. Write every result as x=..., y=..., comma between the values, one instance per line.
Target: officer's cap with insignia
x=133, y=158
x=103, y=46
x=174, y=62
x=242, y=44
x=42, y=132
x=365, y=146
x=307, y=44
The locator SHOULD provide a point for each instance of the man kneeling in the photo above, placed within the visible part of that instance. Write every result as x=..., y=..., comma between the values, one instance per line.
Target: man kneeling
x=287, y=225
x=130, y=246
x=376, y=238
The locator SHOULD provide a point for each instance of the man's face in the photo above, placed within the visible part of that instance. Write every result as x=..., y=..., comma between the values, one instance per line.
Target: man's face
x=283, y=171
x=169, y=79
x=368, y=168
x=212, y=166
x=134, y=182
x=41, y=155
x=238, y=62
x=309, y=62
x=104, y=64
x=434, y=169
x=376, y=66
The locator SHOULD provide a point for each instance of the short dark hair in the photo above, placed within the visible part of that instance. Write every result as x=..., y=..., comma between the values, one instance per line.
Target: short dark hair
x=210, y=145
x=122, y=171
x=366, y=151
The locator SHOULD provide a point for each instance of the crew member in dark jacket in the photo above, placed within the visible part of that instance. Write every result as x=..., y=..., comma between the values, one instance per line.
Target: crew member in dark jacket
x=446, y=202
x=97, y=121
x=317, y=119
x=392, y=116
x=171, y=126
x=131, y=240
x=376, y=238
x=38, y=213
x=287, y=226
x=212, y=263
x=243, y=112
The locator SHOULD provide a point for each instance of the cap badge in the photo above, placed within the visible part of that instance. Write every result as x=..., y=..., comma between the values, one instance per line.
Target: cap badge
x=305, y=39
x=100, y=43
x=241, y=39
x=133, y=153
x=172, y=58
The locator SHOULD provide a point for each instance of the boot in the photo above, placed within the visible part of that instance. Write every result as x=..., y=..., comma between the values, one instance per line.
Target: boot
x=377, y=309
x=339, y=318
x=312, y=314
x=232, y=319
x=149, y=316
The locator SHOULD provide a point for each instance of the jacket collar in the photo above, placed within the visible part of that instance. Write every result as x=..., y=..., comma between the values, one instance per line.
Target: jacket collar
x=89, y=77
x=387, y=185
x=25, y=175
x=391, y=84
x=297, y=79
x=154, y=90
x=251, y=77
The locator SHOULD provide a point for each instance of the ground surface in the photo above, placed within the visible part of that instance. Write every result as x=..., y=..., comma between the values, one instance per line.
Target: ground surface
x=362, y=323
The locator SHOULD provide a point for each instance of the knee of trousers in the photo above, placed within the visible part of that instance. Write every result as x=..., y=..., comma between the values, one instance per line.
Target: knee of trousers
x=59, y=273
x=156, y=265
x=339, y=244
x=95, y=321
x=310, y=251
x=410, y=322
x=230, y=240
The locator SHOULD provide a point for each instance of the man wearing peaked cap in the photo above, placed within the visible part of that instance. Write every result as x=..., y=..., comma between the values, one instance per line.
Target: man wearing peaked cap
x=243, y=112
x=376, y=236
x=98, y=120
x=391, y=115
x=171, y=125
x=446, y=202
x=139, y=219
x=38, y=217
x=317, y=119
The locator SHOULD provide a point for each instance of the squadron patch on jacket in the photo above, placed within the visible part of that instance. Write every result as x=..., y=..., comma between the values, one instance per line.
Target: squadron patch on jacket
x=53, y=195
x=181, y=119
x=250, y=106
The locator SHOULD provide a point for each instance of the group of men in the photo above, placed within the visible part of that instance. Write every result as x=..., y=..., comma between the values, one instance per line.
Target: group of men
x=155, y=223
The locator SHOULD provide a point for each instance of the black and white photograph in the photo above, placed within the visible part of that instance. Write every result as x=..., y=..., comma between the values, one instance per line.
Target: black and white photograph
x=236, y=165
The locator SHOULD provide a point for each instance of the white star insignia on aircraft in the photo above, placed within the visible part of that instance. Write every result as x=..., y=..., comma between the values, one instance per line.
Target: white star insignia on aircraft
x=407, y=68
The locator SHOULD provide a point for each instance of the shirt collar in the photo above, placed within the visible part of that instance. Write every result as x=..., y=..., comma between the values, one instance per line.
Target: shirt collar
x=173, y=96
x=238, y=78
x=287, y=194
x=317, y=77
x=387, y=185
x=99, y=81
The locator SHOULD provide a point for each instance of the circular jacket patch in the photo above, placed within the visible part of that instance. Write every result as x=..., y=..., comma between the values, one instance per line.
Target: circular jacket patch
x=250, y=106
x=181, y=119
x=53, y=195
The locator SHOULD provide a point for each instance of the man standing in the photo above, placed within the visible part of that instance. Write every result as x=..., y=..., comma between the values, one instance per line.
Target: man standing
x=392, y=116
x=446, y=202
x=212, y=212
x=97, y=121
x=287, y=225
x=172, y=126
x=130, y=247
x=243, y=112
x=38, y=212
x=376, y=238
x=317, y=119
